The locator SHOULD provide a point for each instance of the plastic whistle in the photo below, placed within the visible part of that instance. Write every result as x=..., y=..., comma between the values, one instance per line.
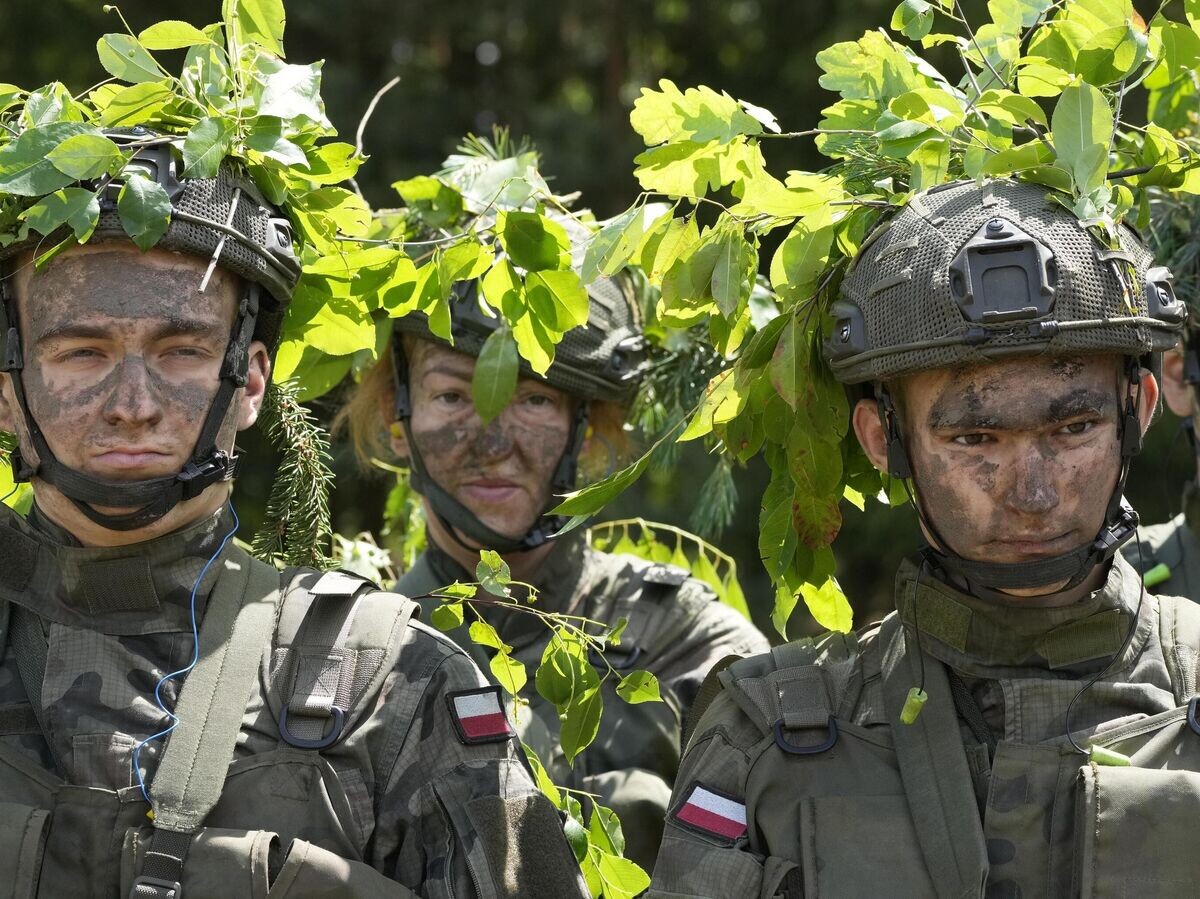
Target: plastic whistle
x=1104, y=756
x=1156, y=575
x=913, y=703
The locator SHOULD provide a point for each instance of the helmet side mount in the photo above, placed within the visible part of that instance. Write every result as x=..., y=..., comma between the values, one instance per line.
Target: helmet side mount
x=1003, y=274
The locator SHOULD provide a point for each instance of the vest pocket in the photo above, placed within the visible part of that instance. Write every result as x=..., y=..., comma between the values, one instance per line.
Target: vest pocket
x=22, y=841
x=1135, y=831
x=312, y=871
x=232, y=864
x=861, y=846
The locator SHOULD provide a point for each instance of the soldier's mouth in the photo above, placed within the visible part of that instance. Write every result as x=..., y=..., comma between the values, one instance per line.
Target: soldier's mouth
x=1034, y=546
x=129, y=458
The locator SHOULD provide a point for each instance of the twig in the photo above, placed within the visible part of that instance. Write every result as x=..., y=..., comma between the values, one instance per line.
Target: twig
x=362, y=124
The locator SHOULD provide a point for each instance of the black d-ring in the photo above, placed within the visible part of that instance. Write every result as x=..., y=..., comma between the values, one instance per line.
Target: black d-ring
x=782, y=742
x=1192, y=722
x=339, y=721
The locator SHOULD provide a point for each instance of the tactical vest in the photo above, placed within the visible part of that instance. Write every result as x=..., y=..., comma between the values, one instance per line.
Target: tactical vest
x=837, y=808
x=332, y=639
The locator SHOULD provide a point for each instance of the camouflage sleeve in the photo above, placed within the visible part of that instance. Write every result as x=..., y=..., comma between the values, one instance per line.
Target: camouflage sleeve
x=705, y=851
x=705, y=631
x=460, y=806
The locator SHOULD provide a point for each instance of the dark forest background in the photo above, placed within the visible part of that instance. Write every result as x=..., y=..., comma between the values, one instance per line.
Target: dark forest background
x=566, y=74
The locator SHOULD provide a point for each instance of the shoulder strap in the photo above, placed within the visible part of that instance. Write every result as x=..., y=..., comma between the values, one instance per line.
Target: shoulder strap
x=644, y=609
x=30, y=649
x=709, y=690
x=933, y=769
x=233, y=636
x=1179, y=632
x=338, y=637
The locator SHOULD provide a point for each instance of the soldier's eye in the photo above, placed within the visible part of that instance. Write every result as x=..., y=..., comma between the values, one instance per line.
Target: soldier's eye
x=1078, y=427
x=971, y=439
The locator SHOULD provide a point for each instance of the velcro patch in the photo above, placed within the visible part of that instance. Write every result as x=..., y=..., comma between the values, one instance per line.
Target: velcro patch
x=337, y=583
x=711, y=813
x=479, y=716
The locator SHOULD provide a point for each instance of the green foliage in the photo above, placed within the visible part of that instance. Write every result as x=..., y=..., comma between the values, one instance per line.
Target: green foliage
x=1039, y=95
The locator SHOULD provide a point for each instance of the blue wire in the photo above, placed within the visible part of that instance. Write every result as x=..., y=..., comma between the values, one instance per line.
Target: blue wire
x=137, y=769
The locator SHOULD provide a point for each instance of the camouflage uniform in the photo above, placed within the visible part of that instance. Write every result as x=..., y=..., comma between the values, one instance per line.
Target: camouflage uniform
x=677, y=630
x=399, y=807
x=939, y=808
x=1175, y=545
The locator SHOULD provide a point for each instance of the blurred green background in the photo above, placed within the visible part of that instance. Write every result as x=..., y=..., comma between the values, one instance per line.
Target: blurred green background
x=565, y=74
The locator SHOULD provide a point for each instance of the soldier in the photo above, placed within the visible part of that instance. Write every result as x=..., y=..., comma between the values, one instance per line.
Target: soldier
x=144, y=651
x=1004, y=355
x=1169, y=553
x=489, y=487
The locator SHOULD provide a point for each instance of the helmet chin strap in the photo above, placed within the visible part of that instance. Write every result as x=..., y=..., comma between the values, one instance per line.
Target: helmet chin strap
x=454, y=516
x=1073, y=566
x=151, y=498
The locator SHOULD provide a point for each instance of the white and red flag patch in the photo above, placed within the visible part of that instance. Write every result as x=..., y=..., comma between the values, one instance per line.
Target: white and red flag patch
x=479, y=716
x=712, y=813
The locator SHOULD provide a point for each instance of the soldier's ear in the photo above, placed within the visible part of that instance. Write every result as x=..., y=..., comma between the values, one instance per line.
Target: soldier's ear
x=8, y=416
x=257, y=375
x=1176, y=392
x=398, y=439
x=869, y=430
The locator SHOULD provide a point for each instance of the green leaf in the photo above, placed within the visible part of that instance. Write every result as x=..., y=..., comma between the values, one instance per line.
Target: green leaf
x=289, y=92
x=582, y=503
x=722, y=402
x=266, y=137
x=341, y=327
x=698, y=114
x=558, y=297
x=127, y=60
x=495, y=379
x=580, y=722
x=207, y=144
x=136, y=103
x=732, y=272
x=790, y=362
x=332, y=163
x=1082, y=125
x=621, y=877
x=485, y=635
x=639, y=686
x=144, y=209
x=733, y=596
x=86, y=156
x=565, y=670
x=72, y=206
x=464, y=261
x=1018, y=159
x=172, y=34
x=436, y=202
x=315, y=373
x=828, y=605
x=463, y=591
x=913, y=18
x=690, y=169
x=611, y=248
x=25, y=169
x=52, y=103
x=508, y=672
x=801, y=259
x=534, y=342
x=533, y=242
x=492, y=573
x=447, y=616
x=785, y=604
x=930, y=164
x=260, y=21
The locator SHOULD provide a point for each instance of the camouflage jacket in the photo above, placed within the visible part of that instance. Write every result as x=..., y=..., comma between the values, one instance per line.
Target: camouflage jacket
x=1175, y=545
x=677, y=630
x=400, y=806
x=801, y=779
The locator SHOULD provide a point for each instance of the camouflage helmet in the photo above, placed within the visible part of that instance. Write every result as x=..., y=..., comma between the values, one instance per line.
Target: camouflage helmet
x=967, y=273
x=228, y=212
x=601, y=360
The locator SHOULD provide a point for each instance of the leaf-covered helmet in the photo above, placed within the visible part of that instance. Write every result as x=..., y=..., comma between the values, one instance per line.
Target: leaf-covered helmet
x=966, y=273
x=223, y=218
x=601, y=360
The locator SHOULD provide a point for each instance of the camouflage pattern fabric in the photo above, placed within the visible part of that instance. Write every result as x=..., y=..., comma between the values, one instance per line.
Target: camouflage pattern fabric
x=1025, y=817
x=1175, y=544
x=399, y=808
x=677, y=630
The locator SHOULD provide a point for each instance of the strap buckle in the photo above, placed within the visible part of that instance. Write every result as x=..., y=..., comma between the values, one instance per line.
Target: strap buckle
x=831, y=737
x=155, y=888
x=339, y=722
x=196, y=477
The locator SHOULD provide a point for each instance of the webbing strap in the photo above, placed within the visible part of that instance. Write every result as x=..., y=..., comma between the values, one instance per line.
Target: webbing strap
x=236, y=631
x=710, y=688
x=29, y=643
x=971, y=714
x=322, y=676
x=933, y=769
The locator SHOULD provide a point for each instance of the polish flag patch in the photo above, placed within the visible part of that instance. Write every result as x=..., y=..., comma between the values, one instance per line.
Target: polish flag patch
x=712, y=813
x=479, y=716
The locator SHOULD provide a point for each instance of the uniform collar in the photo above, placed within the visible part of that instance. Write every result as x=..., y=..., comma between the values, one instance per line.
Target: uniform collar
x=137, y=589
x=994, y=638
x=556, y=581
